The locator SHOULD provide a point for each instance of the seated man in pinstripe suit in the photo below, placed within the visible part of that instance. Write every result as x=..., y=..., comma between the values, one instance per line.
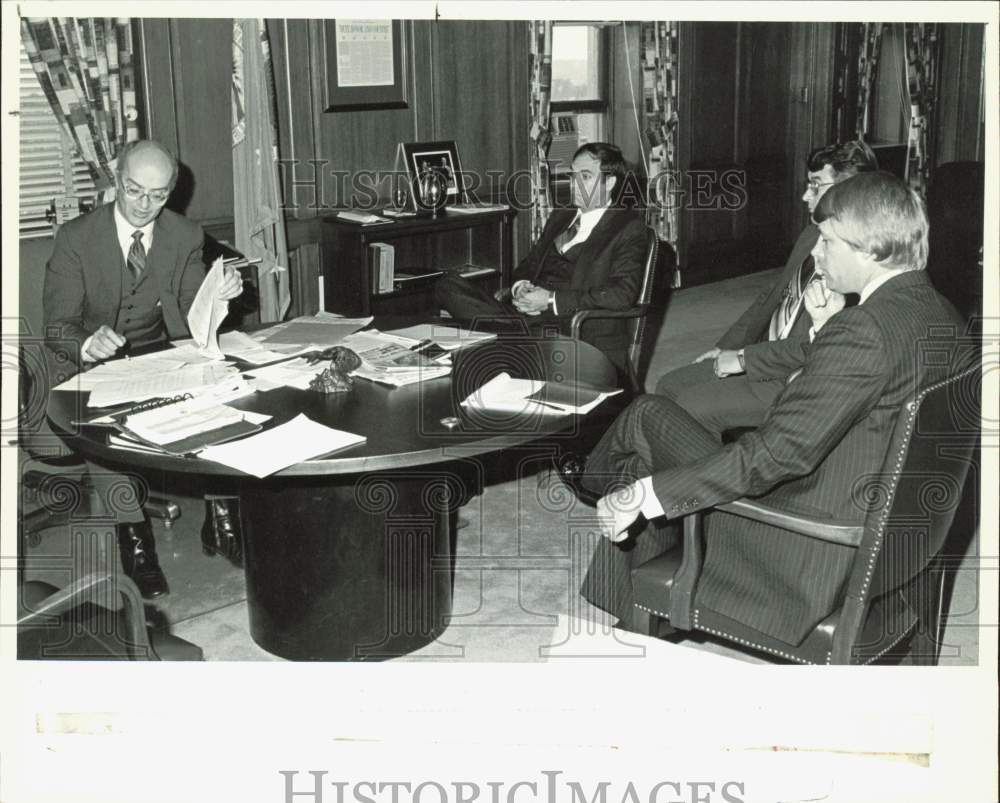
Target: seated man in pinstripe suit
x=733, y=384
x=828, y=428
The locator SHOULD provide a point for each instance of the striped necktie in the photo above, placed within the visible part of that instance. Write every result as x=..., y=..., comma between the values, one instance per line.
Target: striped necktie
x=137, y=256
x=791, y=302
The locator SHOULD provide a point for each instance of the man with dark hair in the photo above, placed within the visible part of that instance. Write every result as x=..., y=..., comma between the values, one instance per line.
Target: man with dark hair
x=121, y=276
x=733, y=383
x=828, y=428
x=589, y=256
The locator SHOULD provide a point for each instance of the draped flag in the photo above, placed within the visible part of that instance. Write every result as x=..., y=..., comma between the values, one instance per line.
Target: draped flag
x=259, y=218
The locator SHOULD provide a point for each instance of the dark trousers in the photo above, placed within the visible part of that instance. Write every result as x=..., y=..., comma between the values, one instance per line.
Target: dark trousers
x=652, y=434
x=469, y=304
x=718, y=404
x=472, y=306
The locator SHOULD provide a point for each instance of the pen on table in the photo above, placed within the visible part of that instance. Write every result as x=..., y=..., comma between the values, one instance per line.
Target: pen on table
x=421, y=345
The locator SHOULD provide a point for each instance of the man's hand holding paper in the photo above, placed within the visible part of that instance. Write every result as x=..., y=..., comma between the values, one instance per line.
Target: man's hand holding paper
x=211, y=306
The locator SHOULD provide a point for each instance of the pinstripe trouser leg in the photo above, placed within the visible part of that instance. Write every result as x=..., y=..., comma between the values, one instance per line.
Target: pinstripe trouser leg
x=652, y=434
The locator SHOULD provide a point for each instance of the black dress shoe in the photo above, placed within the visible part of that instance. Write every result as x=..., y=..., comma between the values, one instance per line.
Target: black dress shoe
x=139, y=561
x=221, y=533
x=571, y=468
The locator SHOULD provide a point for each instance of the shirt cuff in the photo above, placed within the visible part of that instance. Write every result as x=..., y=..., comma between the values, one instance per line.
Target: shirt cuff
x=518, y=283
x=651, y=507
x=552, y=302
x=85, y=350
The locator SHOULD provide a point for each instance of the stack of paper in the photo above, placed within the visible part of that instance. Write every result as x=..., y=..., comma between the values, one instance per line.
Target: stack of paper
x=270, y=451
x=188, y=379
x=297, y=373
x=506, y=394
x=123, y=369
x=447, y=337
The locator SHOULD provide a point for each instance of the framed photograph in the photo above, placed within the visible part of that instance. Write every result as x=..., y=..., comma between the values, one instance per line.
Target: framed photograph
x=439, y=157
x=365, y=65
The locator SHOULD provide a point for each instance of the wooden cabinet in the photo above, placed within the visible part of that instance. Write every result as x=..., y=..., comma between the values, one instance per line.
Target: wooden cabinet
x=479, y=246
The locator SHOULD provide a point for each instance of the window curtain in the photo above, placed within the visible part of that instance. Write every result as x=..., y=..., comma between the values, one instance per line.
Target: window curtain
x=540, y=69
x=257, y=208
x=921, y=70
x=659, y=89
x=85, y=68
x=871, y=40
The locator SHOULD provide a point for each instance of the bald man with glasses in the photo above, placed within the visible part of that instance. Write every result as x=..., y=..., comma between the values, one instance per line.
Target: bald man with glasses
x=123, y=276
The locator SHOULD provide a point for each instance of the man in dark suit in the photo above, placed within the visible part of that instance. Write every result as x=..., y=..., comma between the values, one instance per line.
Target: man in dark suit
x=121, y=276
x=587, y=257
x=733, y=384
x=828, y=428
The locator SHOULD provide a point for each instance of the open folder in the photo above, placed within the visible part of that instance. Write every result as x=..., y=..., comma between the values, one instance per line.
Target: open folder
x=185, y=425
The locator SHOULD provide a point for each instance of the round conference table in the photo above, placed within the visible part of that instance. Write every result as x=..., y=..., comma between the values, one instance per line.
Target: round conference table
x=351, y=557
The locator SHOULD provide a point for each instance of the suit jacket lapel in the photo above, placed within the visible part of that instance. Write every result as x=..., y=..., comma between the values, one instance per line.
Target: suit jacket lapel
x=159, y=260
x=558, y=221
x=606, y=227
x=110, y=262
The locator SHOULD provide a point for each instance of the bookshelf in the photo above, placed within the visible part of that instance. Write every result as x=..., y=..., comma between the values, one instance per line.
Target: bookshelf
x=480, y=246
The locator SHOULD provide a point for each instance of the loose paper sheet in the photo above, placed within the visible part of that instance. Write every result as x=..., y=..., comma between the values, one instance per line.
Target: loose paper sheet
x=208, y=311
x=285, y=445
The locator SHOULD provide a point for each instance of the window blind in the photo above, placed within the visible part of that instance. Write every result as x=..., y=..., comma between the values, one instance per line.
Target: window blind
x=49, y=164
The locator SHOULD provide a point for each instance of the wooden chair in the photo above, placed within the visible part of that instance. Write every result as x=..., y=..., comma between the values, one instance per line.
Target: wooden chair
x=895, y=588
x=643, y=317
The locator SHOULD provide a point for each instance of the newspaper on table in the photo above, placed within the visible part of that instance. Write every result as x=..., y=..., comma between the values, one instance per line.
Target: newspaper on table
x=447, y=337
x=393, y=360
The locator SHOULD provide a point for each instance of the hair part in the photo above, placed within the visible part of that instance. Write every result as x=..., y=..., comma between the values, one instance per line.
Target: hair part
x=138, y=146
x=878, y=214
x=847, y=159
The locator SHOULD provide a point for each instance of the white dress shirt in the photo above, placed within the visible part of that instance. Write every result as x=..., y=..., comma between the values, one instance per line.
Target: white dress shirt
x=588, y=220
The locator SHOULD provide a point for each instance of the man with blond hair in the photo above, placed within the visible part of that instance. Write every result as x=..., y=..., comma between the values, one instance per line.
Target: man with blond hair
x=828, y=428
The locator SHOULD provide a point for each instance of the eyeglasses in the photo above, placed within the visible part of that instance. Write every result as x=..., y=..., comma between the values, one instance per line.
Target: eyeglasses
x=135, y=192
x=814, y=186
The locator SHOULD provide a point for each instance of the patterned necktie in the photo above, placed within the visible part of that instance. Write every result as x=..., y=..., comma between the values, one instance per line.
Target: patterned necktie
x=568, y=235
x=788, y=309
x=137, y=256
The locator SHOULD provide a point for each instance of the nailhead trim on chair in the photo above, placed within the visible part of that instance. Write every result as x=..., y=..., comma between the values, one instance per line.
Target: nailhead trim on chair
x=752, y=644
x=889, y=647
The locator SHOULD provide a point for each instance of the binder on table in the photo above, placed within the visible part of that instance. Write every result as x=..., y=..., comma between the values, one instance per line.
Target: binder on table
x=157, y=434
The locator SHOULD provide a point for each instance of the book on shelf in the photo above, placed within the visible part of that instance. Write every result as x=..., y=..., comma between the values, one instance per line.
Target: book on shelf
x=382, y=259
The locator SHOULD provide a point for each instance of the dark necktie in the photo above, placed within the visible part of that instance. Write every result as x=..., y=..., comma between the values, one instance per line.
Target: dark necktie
x=137, y=256
x=568, y=235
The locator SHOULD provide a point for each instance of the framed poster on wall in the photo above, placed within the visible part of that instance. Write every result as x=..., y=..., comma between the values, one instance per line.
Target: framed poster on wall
x=365, y=66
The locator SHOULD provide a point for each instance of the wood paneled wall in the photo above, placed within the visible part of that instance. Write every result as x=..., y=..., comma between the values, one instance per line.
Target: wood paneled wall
x=186, y=89
x=465, y=81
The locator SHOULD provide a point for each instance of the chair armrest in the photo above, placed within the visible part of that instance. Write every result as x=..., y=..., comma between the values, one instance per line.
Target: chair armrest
x=848, y=535
x=584, y=314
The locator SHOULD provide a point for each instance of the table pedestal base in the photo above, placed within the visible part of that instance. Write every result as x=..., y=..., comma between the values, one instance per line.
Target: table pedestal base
x=350, y=568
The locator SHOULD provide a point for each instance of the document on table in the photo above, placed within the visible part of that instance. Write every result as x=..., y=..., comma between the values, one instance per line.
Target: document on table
x=189, y=379
x=121, y=369
x=322, y=329
x=447, y=337
x=506, y=394
x=208, y=311
x=285, y=445
x=297, y=373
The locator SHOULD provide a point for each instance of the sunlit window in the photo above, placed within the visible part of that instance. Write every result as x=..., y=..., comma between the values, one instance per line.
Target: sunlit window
x=579, y=95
